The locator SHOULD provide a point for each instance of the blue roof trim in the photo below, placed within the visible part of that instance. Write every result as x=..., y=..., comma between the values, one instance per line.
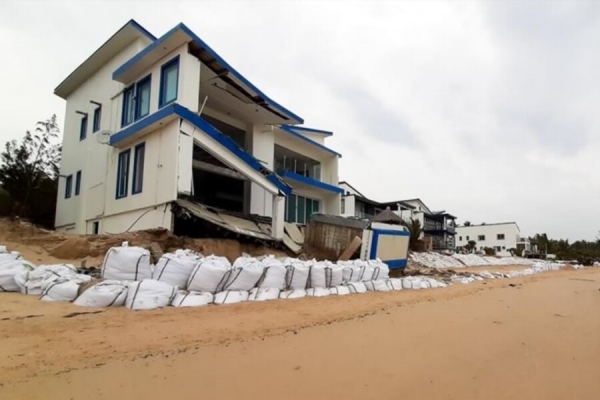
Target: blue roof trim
x=309, y=130
x=290, y=130
x=142, y=29
x=201, y=123
x=209, y=50
x=312, y=182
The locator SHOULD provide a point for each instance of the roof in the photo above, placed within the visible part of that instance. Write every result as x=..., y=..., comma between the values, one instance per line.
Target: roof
x=492, y=224
x=387, y=216
x=175, y=110
x=115, y=44
x=403, y=204
x=353, y=188
x=180, y=35
x=311, y=182
x=309, y=130
x=290, y=130
x=352, y=223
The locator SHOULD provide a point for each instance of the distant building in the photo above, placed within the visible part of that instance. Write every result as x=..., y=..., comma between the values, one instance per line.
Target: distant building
x=502, y=237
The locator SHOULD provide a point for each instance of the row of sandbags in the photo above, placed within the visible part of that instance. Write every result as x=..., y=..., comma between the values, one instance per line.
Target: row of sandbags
x=213, y=274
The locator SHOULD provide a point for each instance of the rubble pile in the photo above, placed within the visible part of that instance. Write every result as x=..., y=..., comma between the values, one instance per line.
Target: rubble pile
x=438, y=260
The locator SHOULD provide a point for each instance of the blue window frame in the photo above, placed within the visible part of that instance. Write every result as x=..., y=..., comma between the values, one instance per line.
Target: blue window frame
x=83, y=128
x=97, y=117
x=169, y=80
x=123, y=174
x=77, y=183
x=138, y=168
x=128, y=106
x=142, y=98
x=68, y=186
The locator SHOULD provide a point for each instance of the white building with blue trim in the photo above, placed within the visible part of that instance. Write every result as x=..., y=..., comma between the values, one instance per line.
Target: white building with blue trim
x=152, y=120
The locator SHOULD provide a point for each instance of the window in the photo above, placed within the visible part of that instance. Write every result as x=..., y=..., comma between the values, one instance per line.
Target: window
x=77, y=183
x=299, y=208
x=460, y=238
x=142, y=98
x=138, y=168
x=68, y=186
x=83, y=128
x=169, y=80
x=481, y=238
x=123, y=173
x=343, y=206
x=500, y=236
x=467, y=238
x=128, y=106
x=95, y=227
x=96, y=122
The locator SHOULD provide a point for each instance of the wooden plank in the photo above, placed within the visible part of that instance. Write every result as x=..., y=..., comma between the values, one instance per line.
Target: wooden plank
x=352, y=247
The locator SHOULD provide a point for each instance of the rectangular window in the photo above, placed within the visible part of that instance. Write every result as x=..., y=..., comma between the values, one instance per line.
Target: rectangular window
x=169, y=80
x=128, y=106
x=68, y=186
x=123, y=173
x=83, y=128
x=299, y=209
x=95, y=227
x=138, y=168
x=315, y=206
x=467, y=238
x=77, y=183
x=142, y=98
x=97, y=117
x=290, y=213
x=343, y=206
x=500, y=236
x=481, y=238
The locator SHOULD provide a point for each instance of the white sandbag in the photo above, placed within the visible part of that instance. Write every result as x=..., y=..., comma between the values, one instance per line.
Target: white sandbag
x=292, y=294
x=339, y=290
x=258, y=294
x=231, y=296
x=380, y=270
x=62, y=289
x=394, y=283
x=274, y=274
x=357, y=287
x=432, y=283
x=368, y=272
x=425, y=284
x=191, y=299
x=5, y=257
x=246, y=277
x=297, y=276
x=353, y=273
x=9, y=269
x=336, y=276
x=381, y=285
x=319, y=275
x=406, y=283
x=317, y=292
x=149, y=294
x=3, y=249
x=127, y=264
x=416, y=284
x=31, y=281
x=103, y=294
x=175, y=268
x=209, y=275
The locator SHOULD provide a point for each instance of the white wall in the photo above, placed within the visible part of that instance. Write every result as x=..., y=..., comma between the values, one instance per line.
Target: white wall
x=262, y=148
x=315, y=137
x=491, y=232
x=349, y=206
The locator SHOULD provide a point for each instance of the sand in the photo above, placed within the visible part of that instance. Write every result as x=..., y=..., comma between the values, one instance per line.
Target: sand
x=538, y=340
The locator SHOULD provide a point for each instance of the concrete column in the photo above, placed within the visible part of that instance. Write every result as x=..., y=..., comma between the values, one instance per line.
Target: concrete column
x=278, y=217
x=263, y=148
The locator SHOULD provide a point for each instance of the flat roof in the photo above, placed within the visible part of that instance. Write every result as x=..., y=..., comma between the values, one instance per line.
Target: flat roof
x=492, y=224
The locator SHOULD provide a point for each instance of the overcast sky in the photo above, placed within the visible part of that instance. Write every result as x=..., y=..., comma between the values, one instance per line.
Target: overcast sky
x=489, y=110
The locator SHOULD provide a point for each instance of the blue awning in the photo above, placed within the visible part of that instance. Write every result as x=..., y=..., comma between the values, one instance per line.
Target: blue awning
x=291, y=130
x=311, y=182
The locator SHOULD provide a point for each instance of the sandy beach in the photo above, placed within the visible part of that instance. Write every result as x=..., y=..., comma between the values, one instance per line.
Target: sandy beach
x=536, y=340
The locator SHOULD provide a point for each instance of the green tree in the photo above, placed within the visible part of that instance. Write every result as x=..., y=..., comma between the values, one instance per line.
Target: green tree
x=415, y=229
x=471, y=245
x=29, y=173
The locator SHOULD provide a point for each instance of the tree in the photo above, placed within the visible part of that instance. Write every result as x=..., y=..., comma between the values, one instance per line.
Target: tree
x=471, y=246
x=467, y=223
x=415, y=229
x=489, y=251
x=29, y=173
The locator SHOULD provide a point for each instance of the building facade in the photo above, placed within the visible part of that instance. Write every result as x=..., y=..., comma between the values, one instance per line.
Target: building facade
x=502, y=237
x=150, y=120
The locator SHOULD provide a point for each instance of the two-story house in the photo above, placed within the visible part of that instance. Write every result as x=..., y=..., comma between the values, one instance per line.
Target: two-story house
x=151, y=120
x=502, y=237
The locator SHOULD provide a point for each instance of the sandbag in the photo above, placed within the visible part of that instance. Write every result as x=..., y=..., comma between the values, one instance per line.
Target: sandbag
x=231, y=297
x=377, y=286
x=245, y=277
x=191, y=299
x=175, y=268
x=297, y=276
x=103, y=294
x=319, y=276
x=149, y=294
x=274, y=274
x=407, y=283
x=263, y=294
x=339, y=290
x=317, y=292
x=336, y=276
x=63, y=289
x=357, y=287
x=5, y=257
x=31, y=281
x=394, y=283
x=353, y=273
x=380, y=269
x=209, y=275
x=368, y=273
x=9, y=269
x=127, y=264
x=292, y=294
